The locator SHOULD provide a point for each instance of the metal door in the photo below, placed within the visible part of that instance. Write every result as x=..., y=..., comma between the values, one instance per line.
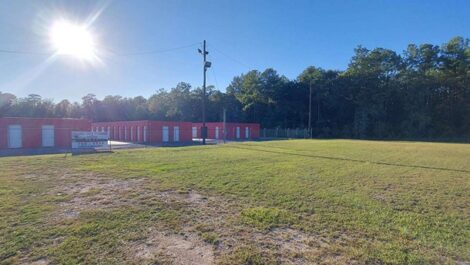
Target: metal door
x=176, y=134
x=145, y=133
x=48, y=135
x=15, y=136
x=165, y=134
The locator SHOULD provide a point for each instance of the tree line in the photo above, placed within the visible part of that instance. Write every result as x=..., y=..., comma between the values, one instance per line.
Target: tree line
x=423, y=92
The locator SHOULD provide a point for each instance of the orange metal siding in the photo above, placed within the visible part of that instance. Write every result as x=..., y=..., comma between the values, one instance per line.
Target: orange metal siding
x=32, y=130
x=231, y=130
x=154, y=130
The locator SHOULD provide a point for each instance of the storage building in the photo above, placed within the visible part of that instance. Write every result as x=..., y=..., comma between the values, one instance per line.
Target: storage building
x=146, y=131
x=25, y=133
x=235, y=131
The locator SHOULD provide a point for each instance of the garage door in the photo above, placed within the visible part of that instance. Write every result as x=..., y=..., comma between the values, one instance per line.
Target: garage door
x=238, y=133
x=216, y=132
x=176, y=134
x=194, y=132
x=247, y=132
x=15, y=136
x=48, y=135
x=145, y=133
x=165, y=134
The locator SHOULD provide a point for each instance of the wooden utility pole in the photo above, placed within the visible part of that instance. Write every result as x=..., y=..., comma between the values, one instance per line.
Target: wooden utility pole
x=310, y=110
x=205, y=66
x=225, y=125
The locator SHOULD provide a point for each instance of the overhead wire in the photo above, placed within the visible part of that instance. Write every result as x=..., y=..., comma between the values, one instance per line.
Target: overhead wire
x=23, y=52
x=10, y=51
x=155, y=51
x=213, y=73
x=231, y=58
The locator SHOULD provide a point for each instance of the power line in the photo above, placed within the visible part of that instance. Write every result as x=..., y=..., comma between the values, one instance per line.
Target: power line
x=154, y=51
x=23, y=52
x=213, y=73
x=110, y=50
x=232, y=58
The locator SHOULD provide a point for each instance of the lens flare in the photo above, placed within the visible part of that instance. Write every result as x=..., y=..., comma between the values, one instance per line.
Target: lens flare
x=73, y=40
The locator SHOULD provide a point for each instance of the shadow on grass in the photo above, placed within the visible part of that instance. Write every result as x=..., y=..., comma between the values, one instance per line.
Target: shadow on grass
x=348, y=159
x=410, y=140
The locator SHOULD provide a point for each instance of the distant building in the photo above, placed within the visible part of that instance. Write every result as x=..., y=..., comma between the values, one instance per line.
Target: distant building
x=19, y=134
x=146, y=131
x=235, y=131
x=28, y=133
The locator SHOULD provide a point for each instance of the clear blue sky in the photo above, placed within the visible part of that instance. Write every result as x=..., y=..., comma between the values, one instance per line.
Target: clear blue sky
x=241, y=35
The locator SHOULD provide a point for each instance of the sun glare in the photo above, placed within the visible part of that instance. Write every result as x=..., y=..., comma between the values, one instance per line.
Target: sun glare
x=72, y=39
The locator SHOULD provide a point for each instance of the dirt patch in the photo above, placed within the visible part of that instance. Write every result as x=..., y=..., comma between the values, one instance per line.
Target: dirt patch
x=196, y=198
x=95, y=193
x=210, y=227
x=176, y=248
x=42, y=261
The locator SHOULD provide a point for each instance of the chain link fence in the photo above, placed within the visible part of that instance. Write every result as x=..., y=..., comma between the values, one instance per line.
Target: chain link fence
x=300, y=133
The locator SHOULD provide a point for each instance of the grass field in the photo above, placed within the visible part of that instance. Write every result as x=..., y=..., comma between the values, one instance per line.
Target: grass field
x=279, y=202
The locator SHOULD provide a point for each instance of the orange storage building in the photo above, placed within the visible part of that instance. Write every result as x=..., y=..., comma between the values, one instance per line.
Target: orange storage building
x=26, y=133
x=146, y=131
x=235, y=130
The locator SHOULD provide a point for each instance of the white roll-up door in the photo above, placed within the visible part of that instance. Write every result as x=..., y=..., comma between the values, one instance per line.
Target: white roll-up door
x=15, y=135
x=132, y=134
x=139, y=138
x=194, y=132
x=216, y=132
x=145, y=133
x=126, y=132
x=48, y=135
x=238, y=133
x=165, y=134
x=176, y=134
x=247, y=132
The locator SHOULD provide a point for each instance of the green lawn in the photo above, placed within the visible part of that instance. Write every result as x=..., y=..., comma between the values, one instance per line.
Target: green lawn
x=286, y=202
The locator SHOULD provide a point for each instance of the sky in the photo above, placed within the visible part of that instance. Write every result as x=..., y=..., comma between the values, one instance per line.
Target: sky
x=241, y=35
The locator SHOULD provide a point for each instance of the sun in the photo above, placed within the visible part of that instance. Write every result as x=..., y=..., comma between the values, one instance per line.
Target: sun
x=72, y=39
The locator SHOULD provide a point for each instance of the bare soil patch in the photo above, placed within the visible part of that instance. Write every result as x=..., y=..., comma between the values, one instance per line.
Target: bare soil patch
x=177, y=248
x=211, y=232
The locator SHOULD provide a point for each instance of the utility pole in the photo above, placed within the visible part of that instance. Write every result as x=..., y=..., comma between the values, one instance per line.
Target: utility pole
x=318, y=109
x=310, y=110
x=205, y=66
x=225, y=126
